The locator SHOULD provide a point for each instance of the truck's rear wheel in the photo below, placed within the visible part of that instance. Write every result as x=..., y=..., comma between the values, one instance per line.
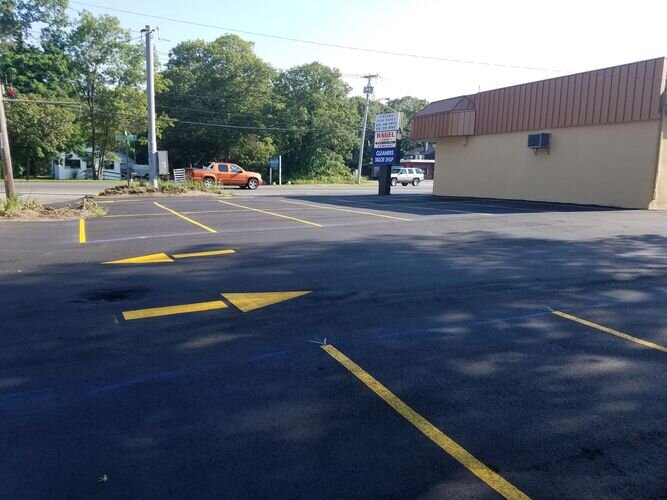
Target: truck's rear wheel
x=209, y=182
x=415, y=181
x=252, y=184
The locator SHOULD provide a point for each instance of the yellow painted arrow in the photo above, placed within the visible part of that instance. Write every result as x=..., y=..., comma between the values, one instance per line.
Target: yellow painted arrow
x=244, y=301
x=143, y=259
x=163, y=257
x=251, y=301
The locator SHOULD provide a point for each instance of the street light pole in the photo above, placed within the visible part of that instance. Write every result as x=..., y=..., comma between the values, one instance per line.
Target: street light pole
x=4, y=149
x=368, y=90
x=150, y=92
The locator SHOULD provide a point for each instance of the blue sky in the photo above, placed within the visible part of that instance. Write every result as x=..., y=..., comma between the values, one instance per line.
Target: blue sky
x=561, y=37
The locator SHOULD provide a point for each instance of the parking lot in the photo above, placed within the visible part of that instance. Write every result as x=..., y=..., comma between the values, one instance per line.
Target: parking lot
x=335, y=344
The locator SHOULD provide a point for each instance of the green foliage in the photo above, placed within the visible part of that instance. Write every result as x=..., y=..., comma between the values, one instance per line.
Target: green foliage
x=89, y=208
x=313, y=100
x=17, y=16
x=221, y=83
x=39, y=133
x=107, y=69
x=329, y=166
x=254, y=152
x=36, y=71
x=14, y=205
x=407, y=105
x=238, y=107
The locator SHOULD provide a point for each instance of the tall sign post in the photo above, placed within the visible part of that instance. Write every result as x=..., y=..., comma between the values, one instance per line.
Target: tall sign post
x=276, y=163
x=387, y=148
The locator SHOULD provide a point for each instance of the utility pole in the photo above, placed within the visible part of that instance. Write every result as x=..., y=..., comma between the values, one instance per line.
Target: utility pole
x=368, y=90
x=150, y=92
x=4, y=149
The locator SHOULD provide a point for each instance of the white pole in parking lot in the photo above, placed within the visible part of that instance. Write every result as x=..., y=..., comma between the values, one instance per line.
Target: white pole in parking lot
x=150, y=92
x=280, y=170
x=368, y=90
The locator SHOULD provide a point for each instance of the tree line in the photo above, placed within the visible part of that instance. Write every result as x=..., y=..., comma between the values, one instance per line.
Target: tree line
x=80, y=83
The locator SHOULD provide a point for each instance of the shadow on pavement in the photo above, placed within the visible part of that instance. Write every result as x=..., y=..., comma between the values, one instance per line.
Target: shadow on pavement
x=243, y=405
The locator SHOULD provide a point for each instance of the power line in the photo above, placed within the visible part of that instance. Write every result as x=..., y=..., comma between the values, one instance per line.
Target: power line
x=323, y=44
x=176, y=120
x=281, y=129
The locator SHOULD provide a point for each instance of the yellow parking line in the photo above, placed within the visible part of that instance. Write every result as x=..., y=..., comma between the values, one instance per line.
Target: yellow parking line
x=447, y=444
x=202, y=254
x=347, y=210
x=611, y=331
x=82, y=230
x=271, y=213
x=185, y=218
x=170, y=310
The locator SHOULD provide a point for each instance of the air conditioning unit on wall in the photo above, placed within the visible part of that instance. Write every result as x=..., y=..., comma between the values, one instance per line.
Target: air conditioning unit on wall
x=539, y=141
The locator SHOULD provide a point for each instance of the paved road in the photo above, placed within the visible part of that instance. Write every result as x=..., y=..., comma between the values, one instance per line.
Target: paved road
x=183, y=378
x=58, y=192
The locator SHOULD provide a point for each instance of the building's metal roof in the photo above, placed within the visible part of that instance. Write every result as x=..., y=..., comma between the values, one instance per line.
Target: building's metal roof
x=625, y=93
x=460, y=103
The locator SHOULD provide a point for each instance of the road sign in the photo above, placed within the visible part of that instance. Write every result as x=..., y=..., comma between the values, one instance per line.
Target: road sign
x=384, y=156
x=274, y=163
x=387, y=121
x=128, y=138
x=386, y=139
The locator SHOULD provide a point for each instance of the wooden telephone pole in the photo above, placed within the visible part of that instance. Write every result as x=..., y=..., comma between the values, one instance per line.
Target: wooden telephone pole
x=4, y=149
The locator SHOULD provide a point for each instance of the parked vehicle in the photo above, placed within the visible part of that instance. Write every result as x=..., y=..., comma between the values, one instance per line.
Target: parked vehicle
x=227, y=174
x=406, y=176
x=138, y=171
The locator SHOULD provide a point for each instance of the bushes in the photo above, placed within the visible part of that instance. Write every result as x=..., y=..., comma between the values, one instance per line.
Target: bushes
x=14, y=206
x=327, y=168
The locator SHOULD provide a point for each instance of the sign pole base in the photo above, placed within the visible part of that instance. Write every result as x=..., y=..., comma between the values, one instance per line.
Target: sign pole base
x=384, y=180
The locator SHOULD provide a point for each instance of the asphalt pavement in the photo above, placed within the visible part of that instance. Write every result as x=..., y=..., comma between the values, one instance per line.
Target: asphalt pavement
x=331, y=343
x=50, y=192
x=57, y=192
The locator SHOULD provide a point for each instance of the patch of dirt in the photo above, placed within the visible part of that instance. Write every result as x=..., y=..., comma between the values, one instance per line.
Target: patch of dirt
x=84, y=209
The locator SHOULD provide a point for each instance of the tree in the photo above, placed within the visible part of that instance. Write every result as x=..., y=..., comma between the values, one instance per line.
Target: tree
x=17, y=16
x=226, y=90
x=254, y=152
x=314, y=102
x=107, y=69
x=39, y=132
x=407, y=105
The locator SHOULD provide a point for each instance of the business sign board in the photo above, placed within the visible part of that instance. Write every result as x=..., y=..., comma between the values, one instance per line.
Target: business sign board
x=386, y=139
x=387, y=121
x=274, y=163
x=384, y=156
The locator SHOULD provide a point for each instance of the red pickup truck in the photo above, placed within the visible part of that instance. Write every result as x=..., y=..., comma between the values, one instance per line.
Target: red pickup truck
x=227, y=174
